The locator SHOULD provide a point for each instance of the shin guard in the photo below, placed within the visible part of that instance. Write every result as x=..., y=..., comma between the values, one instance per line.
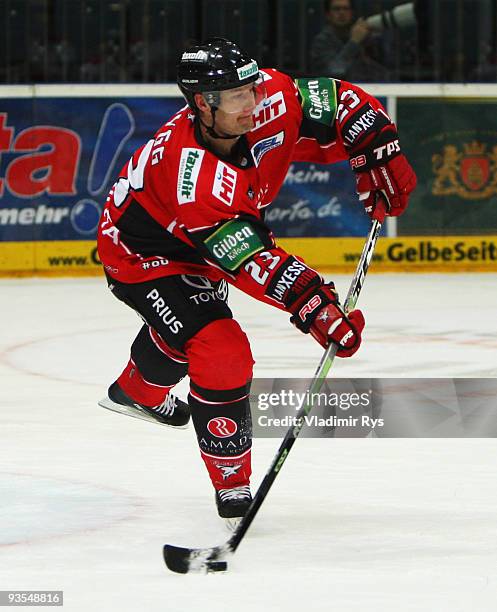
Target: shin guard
x=224, y=432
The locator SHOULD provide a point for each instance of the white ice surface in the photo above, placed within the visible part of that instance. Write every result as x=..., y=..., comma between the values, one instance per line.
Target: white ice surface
x=88, y=498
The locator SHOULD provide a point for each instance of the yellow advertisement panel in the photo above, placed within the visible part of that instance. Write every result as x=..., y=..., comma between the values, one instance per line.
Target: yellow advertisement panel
x=64, y=258
x=402, y=254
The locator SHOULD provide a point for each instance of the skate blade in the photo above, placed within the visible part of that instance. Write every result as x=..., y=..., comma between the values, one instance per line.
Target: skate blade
x=232, y=523
x=136, y=413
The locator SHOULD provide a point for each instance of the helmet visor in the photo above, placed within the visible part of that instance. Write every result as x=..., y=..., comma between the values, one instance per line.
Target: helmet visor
x=237, y=100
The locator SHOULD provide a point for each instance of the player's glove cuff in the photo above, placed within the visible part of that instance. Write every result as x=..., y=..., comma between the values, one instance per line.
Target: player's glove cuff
x=306, y=308
x=320, y=314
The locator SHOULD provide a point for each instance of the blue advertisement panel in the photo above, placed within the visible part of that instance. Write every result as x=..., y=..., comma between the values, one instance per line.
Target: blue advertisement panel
x=317, y=200
x=60, y=156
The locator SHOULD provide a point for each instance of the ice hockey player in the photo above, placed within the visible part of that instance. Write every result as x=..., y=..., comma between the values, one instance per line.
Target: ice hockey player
x=186, y=216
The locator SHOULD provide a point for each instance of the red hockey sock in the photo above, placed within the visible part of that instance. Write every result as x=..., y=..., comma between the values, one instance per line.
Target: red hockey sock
x=220, y=369
x=228, y=472
x=139, y=389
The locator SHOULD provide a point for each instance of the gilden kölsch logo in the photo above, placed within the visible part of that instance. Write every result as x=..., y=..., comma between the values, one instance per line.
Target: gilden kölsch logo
x=222, y=427
x=470, y=174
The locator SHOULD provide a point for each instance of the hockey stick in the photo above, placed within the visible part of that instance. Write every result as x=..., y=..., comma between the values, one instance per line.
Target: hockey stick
x=184, y=560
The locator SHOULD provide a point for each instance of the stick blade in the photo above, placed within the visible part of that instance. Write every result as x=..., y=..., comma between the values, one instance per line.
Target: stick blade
x=177, y=559
x=184, y=560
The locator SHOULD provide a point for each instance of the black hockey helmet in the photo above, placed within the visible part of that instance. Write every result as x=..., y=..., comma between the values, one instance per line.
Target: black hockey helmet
x=214, y=65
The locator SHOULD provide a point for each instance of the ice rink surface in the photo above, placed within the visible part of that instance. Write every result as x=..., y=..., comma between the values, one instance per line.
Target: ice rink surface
x=88, y=498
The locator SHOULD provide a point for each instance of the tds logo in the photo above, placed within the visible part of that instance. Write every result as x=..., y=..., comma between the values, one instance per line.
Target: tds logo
x=224, y=183
x=269, y=109
x=222, y=427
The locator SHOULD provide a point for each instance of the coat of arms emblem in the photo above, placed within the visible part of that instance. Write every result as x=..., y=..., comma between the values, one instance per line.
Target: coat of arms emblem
x=471, y=174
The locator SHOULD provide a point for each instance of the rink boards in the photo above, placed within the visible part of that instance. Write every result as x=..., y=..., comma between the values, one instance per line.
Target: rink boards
x=400, y=254
x=64, y=145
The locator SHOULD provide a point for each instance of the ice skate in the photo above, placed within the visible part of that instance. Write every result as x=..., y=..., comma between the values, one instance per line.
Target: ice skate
x=172, y=412
x=232, y=504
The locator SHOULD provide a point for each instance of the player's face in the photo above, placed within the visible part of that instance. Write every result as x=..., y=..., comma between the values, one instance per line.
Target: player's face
x=235, y=123
x=241, y=99
x=235, y=108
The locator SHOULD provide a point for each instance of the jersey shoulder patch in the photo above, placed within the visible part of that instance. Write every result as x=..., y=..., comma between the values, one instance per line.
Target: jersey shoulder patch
x=233, y=243
x=319, y=99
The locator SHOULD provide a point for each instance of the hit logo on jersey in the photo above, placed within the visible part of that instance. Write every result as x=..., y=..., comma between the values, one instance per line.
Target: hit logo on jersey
x=224, y=183
x=269, y=110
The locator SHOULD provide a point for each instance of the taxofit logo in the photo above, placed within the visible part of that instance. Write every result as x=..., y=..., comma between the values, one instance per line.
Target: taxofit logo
x=198, y=56
x=248, y=70
x=189, y=168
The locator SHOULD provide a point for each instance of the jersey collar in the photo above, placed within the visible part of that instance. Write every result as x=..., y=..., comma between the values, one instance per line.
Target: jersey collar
x=241, y=156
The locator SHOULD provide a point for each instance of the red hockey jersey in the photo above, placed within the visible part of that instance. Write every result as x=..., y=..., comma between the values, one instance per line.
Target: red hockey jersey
x=175, y=188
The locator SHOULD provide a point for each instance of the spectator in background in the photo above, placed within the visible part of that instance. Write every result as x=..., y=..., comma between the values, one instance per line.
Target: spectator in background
x=338, y=50
x=37, y=61
x=62, y=62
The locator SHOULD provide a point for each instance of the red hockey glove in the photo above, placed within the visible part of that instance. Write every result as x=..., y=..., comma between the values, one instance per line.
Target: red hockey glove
x=319, y=313
x=394, y=180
